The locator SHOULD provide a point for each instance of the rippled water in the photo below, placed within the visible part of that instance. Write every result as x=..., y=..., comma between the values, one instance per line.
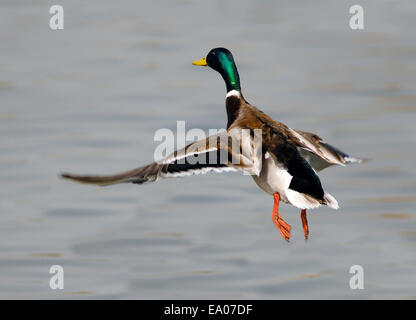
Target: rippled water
x=88, y=99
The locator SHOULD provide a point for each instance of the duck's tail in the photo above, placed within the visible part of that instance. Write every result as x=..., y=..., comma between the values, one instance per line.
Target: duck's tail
x=330, y=201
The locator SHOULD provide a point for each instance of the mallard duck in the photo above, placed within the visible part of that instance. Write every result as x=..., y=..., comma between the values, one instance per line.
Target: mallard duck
x=282, y=161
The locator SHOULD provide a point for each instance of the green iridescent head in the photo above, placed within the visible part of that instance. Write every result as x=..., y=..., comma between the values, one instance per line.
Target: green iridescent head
x=221, y=60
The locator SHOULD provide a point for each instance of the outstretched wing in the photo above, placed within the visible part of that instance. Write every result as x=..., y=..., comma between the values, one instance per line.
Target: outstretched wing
x=214, y=153
x=319, y=154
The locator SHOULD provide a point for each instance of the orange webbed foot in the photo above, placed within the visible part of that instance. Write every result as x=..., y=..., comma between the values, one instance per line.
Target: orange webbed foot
x=282, y=226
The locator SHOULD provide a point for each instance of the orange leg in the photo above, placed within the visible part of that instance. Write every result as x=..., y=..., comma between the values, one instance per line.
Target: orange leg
x=304, y=223
x=283, y=226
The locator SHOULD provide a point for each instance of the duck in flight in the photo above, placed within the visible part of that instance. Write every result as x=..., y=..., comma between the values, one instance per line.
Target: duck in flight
x=282, y=161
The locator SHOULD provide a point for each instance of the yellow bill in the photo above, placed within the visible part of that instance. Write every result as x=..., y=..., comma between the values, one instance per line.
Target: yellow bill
x=202, y=62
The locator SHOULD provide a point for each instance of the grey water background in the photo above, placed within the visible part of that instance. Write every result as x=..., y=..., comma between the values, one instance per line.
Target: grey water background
x=89, y=99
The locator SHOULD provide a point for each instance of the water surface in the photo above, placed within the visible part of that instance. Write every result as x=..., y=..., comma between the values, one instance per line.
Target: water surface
x=89, y=98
